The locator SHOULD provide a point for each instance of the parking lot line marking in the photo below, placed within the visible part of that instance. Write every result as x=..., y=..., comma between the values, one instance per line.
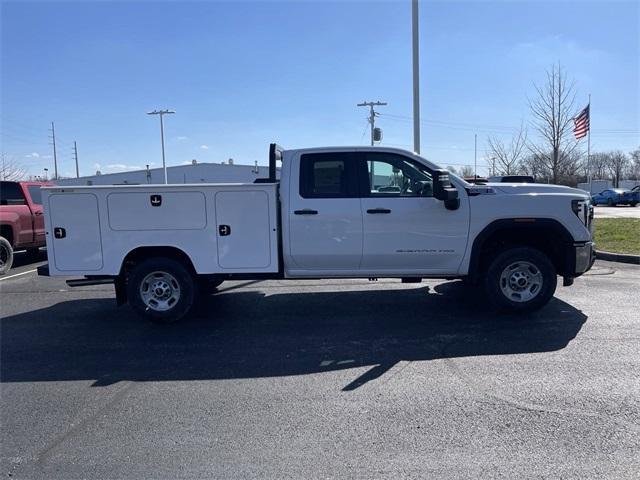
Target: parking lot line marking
x=17, y=274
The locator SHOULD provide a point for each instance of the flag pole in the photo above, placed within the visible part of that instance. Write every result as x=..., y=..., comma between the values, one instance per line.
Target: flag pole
x=589, y=150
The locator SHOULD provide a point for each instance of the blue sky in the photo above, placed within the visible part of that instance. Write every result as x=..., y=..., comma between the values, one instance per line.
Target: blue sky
x=243, y=74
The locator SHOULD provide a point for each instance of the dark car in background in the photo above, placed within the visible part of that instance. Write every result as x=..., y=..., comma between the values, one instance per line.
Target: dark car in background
x=512, y=179
x=632, y=197
x=613, y=197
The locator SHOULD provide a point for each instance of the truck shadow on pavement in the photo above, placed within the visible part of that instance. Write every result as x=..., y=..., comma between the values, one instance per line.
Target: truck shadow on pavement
x=247, y=334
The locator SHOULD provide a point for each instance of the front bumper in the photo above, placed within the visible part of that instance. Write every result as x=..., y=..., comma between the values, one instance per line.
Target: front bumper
x=585, y=255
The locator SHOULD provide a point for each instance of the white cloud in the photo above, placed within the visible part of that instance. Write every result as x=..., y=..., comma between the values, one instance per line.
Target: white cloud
x=204, y=147
x=182, y=138
x=33, y=155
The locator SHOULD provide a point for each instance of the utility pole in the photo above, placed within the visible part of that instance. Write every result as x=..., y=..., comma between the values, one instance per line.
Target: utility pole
x=475, y=156
x=55, y=158
x=372, y=114
x=161, y=113
x=75, y=156
x=416, y=77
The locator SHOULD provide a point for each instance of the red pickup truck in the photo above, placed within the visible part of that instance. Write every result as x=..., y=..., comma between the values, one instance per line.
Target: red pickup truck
x=21, y=220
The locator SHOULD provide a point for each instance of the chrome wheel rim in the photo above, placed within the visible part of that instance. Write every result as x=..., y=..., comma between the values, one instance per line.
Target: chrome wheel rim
x=521, y=281
x=160, y=291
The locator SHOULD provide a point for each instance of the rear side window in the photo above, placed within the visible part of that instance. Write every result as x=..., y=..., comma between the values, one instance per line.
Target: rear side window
x=11, y=194
x=327, y=175
x=35, y=194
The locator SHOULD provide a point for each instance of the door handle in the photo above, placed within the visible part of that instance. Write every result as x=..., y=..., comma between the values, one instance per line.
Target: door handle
x=378, y=210
x=306, y=211
x=38, y=213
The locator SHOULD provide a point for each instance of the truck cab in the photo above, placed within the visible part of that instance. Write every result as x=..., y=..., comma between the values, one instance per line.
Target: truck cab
x=334, y=212
x=369, y=213
x=21, y=220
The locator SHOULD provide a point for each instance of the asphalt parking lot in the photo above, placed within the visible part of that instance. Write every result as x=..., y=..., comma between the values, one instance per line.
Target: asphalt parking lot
x=322, y=379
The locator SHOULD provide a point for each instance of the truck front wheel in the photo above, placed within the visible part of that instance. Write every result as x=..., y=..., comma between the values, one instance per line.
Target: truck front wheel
x=6, y=255
x=520, y=279
x=161, y=290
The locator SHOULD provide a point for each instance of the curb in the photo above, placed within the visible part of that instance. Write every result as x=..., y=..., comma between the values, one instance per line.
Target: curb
x=618, y=257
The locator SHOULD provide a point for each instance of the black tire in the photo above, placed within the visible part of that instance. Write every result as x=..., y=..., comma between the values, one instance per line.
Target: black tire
x=610, y=203
x=633, y=204
x=6, y=255
x=514, y=265
x=171, y=277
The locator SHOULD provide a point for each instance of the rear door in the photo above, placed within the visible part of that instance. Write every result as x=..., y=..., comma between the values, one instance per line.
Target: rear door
x=38, y=215
x=325, y=218
x=406, y=229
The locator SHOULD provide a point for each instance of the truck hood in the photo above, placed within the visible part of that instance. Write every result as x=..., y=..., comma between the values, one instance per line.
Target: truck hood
x=536, y=189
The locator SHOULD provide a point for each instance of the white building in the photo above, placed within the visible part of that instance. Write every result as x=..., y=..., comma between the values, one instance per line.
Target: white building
x=193, y=173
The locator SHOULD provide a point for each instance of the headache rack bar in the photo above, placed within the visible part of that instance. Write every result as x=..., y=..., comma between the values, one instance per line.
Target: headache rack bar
x=275, y=154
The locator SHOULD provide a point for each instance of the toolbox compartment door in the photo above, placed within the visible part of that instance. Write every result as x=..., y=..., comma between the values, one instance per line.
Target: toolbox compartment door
x=74, y=232
x=161, y=210
x=244, y=229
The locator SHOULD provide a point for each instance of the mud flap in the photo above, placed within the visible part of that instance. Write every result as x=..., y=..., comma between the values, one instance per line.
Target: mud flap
x=121, y=290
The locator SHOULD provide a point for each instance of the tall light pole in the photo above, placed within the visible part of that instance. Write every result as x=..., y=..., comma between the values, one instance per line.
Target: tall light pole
x=416, y=77
x=164, y=163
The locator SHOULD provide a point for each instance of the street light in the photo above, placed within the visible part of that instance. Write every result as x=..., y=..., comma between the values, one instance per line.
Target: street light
x=161, y=113
x=416, y=75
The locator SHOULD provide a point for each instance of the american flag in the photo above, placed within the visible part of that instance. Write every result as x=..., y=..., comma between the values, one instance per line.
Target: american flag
x=581, y=123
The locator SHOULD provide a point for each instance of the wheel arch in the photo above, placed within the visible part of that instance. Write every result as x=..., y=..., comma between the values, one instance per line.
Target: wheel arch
x=545, y=234
x=139, y=254
x=6, y=231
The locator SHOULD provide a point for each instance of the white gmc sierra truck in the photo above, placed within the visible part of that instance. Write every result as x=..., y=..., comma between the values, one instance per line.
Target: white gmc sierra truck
x=339, y=212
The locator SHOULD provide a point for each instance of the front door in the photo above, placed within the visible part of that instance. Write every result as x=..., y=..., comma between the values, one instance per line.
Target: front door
x=325, y=219
x=405, y=229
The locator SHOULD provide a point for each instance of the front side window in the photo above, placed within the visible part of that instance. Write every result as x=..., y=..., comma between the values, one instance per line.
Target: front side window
x=391, y=175
x=325, y=175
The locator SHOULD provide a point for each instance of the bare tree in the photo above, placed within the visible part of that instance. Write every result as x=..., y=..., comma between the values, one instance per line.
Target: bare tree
x=634, y=164
x=507, y=158
x=617, y=164
x=466, y=171
x=10, y=169
x=452, y=169
x=600, y=165
x=553, y=112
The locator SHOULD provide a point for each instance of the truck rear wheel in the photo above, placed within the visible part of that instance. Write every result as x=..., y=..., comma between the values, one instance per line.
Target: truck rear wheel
x=6, y=255
x=161, y=290
x=520, y=279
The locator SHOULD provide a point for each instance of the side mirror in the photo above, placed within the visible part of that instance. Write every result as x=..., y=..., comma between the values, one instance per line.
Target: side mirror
x=443, y=190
